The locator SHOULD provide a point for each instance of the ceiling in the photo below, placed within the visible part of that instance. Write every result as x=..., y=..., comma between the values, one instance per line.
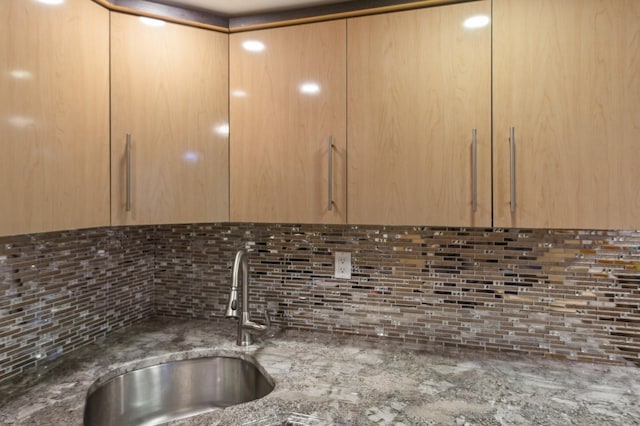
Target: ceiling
x=247, y=7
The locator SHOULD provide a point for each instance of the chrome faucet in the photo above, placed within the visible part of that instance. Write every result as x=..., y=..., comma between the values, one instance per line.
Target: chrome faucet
x=246, y=327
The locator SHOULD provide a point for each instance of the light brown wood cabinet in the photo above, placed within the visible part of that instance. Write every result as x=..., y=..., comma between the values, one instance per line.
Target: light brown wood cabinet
x=419, y=82
x=287, y=102
x=567, y=80
x=169, y=92
x=54, y=116
x=413, y=86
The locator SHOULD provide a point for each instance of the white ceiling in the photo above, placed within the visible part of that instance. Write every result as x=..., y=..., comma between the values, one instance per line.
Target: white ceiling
x=247, y=7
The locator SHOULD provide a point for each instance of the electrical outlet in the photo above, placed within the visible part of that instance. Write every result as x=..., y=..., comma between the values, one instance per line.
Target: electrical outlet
x=343, y=265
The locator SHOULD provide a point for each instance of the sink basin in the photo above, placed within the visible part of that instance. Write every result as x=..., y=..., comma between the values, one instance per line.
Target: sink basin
x=173, y=390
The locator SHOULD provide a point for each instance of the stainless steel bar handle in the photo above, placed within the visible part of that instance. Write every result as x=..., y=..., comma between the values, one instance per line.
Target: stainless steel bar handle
x=330, y=205
x=474, y=169
x=128, y=161
x=512, y=151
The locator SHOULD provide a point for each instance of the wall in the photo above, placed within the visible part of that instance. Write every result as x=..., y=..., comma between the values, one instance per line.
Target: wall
x=568, y=294
x=62, y=290
x=561, y=293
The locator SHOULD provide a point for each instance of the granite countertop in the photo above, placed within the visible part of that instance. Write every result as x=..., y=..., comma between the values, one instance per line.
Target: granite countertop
x=346, y=381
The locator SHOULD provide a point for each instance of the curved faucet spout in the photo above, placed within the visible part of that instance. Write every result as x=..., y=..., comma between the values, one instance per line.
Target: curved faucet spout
x=241, y=262
x=246, y=327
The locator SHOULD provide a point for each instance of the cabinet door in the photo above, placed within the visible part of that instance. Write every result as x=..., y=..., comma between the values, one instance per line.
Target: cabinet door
x=287, y=103
x=169, y=92
x=419, y=83
x=567, y=80
x=54, y=116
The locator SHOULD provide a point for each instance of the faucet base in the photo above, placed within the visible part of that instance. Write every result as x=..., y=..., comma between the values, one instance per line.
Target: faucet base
x=243, y=338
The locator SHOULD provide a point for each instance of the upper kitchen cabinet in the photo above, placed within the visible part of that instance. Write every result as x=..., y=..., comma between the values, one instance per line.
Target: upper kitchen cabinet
x=566, y=113
x=287, y=148
x=169, y=118
x=54, y=116
x=419, y=112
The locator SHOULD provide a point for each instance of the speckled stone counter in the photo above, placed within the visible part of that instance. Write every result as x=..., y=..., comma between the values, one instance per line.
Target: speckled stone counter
x=347, y=381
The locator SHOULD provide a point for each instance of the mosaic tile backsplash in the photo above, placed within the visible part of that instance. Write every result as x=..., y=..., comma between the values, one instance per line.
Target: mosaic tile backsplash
x=568, y=294
x=62, y=290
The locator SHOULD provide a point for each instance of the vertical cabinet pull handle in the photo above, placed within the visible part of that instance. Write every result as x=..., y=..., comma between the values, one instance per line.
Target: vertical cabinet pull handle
x=512, y=151
x=330, y=204
x=474, y=169
x=128, y=172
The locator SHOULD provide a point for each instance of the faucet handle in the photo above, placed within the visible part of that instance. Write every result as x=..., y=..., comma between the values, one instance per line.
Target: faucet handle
x=256, y=327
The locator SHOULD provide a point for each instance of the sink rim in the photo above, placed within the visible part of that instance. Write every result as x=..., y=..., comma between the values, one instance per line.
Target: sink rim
x=117, y=370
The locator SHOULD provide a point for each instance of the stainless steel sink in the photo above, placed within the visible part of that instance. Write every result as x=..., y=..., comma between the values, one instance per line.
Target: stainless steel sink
x=174, y=390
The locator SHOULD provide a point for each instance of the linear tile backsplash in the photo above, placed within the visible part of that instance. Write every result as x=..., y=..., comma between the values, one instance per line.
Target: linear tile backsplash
x=560, y=293
x=568, y=294
x=62, y=290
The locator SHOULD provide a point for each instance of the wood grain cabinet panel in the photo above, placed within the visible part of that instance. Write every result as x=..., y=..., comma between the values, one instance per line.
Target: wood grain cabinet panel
x=169, y=91
x=567, y=79
x=288, y=94
x=54, y=116
x=418, y=83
